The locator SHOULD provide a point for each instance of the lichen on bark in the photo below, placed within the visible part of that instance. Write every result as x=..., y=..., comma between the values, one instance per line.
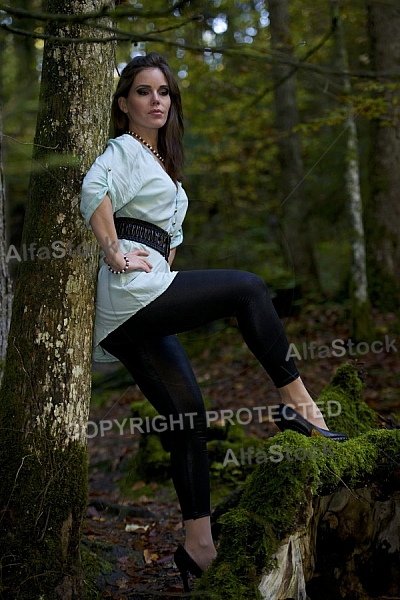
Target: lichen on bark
x=45, y=393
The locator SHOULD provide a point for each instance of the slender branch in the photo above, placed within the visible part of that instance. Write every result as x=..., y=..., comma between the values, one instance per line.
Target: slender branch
x=293, y=70
x=227, y=50
x=121, y=37
x=123, y=33
x=107, y=11
x=352, y=492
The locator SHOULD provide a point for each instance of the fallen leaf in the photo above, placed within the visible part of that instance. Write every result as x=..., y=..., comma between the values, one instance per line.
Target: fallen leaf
x=133, y=527
x=149, y=556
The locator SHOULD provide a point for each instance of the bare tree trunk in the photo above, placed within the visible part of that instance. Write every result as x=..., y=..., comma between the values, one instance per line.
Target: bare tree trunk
x=45, y=392
x=383, y=211
x=362, y=328
x=5, y=280
x=294, y=200
x=361, y=320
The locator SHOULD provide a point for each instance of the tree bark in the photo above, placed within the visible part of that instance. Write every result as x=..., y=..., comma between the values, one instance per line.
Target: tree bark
x=294, y=201
x=383, y=216
x=46, y=385
x=5, y=280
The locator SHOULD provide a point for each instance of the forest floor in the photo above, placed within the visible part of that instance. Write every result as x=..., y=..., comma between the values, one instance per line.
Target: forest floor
x=134, y=526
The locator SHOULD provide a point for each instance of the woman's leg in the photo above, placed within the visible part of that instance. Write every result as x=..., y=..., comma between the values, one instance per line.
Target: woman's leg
x=199, y=542
x=296, y=395
x=148, y=348
x=199, y=297
x=163, y=373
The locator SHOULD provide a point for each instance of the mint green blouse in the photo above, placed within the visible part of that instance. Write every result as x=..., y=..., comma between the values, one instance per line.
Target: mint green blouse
x=138, y=187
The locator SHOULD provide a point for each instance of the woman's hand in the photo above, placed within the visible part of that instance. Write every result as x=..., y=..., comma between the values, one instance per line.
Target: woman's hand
x=136, y=262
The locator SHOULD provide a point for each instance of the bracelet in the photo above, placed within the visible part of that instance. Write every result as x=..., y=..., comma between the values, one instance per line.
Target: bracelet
x=122, y=270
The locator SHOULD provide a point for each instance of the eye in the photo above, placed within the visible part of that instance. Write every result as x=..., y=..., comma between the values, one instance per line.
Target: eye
x=142, y=92
x=164, y=92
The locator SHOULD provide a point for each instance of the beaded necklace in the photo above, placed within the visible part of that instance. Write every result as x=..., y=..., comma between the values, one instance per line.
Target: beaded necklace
x=138, y=137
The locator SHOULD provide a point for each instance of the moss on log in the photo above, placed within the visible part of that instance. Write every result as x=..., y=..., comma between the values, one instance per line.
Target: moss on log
x=318, y=521
x=348, y=412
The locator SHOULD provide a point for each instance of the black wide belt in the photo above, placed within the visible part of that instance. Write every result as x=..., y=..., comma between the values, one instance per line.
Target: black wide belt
x=143, y=232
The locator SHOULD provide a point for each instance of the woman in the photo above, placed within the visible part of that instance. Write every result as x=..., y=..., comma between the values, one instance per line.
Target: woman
x=133, y=200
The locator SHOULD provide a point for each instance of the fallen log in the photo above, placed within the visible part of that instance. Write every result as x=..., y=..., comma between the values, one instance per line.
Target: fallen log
x=321, y=522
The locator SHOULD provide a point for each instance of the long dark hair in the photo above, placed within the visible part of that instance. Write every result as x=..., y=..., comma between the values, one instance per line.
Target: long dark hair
x=170, y=144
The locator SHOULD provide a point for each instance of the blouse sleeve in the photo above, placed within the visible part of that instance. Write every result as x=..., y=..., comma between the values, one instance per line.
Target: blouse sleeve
x=115, y=173
x=177, y=238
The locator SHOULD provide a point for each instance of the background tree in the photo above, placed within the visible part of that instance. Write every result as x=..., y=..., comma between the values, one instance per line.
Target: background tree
x=294, y=201
x=5, y=280
x=361, y=316
x=21, y=63
x=383, y=211
x=46, y=385
x=25, y=50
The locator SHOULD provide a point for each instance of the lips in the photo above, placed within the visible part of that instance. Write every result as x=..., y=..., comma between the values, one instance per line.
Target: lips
x=156, y=112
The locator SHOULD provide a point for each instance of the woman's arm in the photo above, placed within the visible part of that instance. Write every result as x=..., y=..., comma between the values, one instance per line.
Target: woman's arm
x=171, y=256
x=102, y=223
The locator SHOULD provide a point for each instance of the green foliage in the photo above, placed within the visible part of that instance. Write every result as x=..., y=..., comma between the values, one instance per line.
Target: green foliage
x=344, y=393
x=19, y=90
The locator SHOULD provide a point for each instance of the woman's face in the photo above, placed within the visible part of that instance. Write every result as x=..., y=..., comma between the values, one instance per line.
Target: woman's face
x=148, y=101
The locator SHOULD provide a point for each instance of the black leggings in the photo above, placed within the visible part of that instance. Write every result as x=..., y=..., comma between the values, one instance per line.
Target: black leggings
x=148, y=347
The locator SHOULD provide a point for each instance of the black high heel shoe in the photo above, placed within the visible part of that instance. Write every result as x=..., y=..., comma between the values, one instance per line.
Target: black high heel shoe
x=290, y=419
x=186, y=564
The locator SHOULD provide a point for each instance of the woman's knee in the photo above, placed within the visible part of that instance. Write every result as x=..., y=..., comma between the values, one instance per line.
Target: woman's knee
x=253, y=284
